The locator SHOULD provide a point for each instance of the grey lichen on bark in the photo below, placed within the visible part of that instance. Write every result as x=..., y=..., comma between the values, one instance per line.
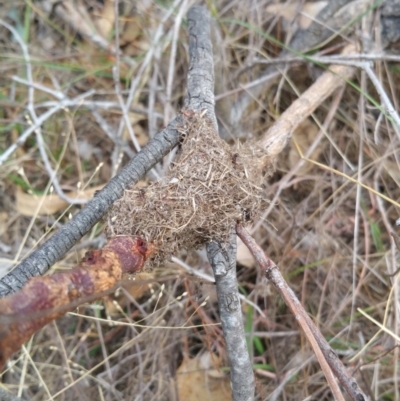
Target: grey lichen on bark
x=222, y=256
x=223, y=260
x=200, y=82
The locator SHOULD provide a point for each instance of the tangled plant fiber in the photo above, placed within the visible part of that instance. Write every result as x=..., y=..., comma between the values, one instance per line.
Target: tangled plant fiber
x=209, y=187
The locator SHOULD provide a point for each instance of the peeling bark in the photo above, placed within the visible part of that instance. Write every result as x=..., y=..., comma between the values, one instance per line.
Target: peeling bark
x=44, y=299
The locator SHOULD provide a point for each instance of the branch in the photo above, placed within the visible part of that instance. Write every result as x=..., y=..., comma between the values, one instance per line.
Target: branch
x=222, y=256
x=44, y=299
x=39, y=261
x=277, y=136
x=318, y=342
x=303, y=40
x=200, y=84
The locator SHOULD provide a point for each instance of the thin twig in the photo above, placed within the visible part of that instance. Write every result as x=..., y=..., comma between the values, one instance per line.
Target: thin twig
x=210, y=279
x=67, y=102
x=109, y=132
x=45, y=116
x=31, y=109
x=125, y=121
x=354, y=61
x=152, y=121
x=32, y=128
x=99, y=104
x=39, y=261
x=347, y=59
x=172, y=60
x=146, y=62
x=74, y=15
x=357, y=215
x=384, y=97
x=313, y=334
x=285, y=180
x=79, y=101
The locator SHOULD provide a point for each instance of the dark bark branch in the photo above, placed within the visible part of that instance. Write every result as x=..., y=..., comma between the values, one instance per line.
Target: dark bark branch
x=200, y=82
x=39, y=261
x=200, y=96
x=223, y=261
x=222, y=256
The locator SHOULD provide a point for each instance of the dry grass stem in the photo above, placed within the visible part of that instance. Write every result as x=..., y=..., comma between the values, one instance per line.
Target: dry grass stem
x=278, y=135
x=100, y=79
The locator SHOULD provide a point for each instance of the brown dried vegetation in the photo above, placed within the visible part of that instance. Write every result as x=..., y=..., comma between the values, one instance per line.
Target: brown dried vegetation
x=329, y=236
x=209, y=186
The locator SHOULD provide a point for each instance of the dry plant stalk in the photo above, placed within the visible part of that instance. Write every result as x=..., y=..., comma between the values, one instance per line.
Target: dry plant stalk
x=278, y=135
x=44, y=299
x=329, y=361
x=208, y=187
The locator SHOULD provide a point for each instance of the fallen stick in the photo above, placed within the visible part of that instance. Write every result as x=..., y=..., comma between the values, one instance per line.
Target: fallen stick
x=318, y=342
x=325, y=24
x=222, y=256
x=41, y=259
x=44, y=299
x=278, y=135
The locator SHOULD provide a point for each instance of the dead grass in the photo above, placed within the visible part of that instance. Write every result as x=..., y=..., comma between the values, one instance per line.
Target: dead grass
x=207, y=187
x=329, y=236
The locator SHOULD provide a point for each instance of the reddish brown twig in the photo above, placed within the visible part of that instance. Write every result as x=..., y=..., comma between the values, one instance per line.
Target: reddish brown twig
x=44, y=299
x=326, y=356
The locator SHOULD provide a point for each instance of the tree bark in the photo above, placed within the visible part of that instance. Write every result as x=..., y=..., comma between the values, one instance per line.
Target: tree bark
x=222, y=256
x=40, y=260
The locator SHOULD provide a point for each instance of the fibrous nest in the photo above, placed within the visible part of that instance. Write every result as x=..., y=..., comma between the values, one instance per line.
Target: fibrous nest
x=208, y=188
